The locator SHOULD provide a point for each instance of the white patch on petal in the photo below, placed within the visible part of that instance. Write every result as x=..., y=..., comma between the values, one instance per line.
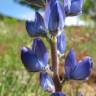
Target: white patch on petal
x=49, y=85
x=24, y=49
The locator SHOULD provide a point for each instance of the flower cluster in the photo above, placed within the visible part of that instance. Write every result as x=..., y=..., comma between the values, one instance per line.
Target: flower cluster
x=36, y=59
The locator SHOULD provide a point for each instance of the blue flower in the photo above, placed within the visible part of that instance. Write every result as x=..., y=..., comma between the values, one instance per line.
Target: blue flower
x=35, y=59
x=76, y=7
x=77, y=70
x=58, y=94
x=67, y=4
x=54, y=16
x=73, y=7
x=37, y=27
x=70, y=63
x=40, y=50
x=61, y=42
x=53, y=20
x=46, y=82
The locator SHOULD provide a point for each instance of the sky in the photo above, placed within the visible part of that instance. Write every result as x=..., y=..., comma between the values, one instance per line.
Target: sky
x=15, y=10
x=22, y=12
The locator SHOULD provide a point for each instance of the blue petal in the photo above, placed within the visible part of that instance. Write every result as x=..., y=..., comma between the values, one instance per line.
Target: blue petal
x=67, y=4
x=35, y=59
x=61, y=43
x=39, y=22
x=46, y=82
x=77, y=70
x=54, y=15
x=62, y=16
x=31, y=61
x=40, y=50
x=75, y=8
x=36, y=28
x=70, y=64
x=47, y=14
x=58, y=94
x=53, y=18
x=83, y=69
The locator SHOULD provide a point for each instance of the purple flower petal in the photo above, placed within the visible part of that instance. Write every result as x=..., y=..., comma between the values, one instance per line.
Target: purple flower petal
x=73, y=7
x=40, y=50
x=70, y=63
x=54, y=16
x=83, y=69
x=58, y=94
x=36, y=28
x=35, y=59
x=46, y=82
x=76, y=7
x=77, y=70
x=61, y=43
x=67, y=4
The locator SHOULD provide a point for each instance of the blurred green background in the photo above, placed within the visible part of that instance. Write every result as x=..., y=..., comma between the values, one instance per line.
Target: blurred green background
x=16, y=81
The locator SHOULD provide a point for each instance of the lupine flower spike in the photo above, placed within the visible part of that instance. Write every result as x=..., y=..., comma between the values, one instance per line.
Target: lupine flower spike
x=51, y=27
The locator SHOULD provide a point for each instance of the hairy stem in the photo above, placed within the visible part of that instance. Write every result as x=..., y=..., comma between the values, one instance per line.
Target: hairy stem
x=55, y=65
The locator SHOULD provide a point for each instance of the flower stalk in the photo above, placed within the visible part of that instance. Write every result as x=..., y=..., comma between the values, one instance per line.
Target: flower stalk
x=35, y=59
x=55, y=65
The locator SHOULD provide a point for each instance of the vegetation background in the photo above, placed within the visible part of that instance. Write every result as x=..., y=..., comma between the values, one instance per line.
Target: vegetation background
x=16, y=81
